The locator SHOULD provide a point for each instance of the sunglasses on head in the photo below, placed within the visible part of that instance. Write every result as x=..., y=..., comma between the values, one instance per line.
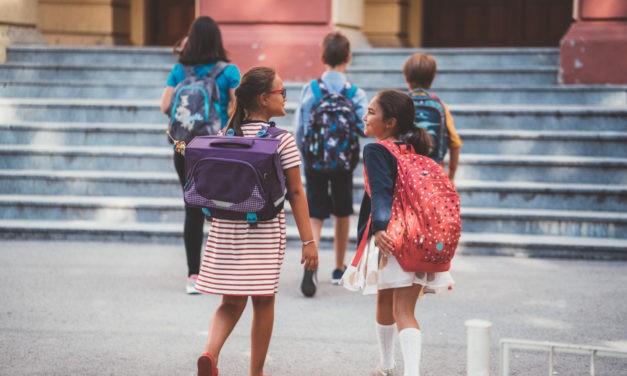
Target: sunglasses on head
x=282, y=91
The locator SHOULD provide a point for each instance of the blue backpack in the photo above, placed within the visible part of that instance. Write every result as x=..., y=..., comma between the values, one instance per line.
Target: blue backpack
x=194, y=110
x=331, y=141
x=430, y=116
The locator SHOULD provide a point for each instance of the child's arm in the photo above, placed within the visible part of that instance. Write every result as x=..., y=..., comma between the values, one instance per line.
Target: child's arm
x=166, y=98
x=454, y=143
x=453, y=162
x=298, y=202
x=361, y=106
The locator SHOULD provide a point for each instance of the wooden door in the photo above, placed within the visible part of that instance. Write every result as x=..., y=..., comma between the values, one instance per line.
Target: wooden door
x=495, y=23
x=169, y=20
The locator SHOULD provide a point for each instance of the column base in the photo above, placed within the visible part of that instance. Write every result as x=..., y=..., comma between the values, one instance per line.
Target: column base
x=594, y=52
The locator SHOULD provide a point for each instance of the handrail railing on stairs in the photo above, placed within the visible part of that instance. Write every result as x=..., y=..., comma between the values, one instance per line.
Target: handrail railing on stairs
x=554, y=347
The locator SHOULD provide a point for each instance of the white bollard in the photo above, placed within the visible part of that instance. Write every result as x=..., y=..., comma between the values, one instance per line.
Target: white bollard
x=478, y=347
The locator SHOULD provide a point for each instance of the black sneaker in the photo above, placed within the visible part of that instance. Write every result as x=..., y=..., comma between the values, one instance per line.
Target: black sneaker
x=310, y=281
x=337, y=275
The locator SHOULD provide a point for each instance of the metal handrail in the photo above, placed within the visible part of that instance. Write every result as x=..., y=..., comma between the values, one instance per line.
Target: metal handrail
x=554, y=347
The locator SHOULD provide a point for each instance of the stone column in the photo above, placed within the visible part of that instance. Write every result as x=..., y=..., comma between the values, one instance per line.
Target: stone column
x=594, y=49
x=285, y=35
x=90, y=22
x=387, y=22
x=18, y=24
x=347, y=16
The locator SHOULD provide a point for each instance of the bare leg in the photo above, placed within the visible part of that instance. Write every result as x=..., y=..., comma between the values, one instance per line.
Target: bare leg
x=385, y=314
x=263, y=321
x=223, y=322
x=405, y=299
x=316, y=227
x=340, y=241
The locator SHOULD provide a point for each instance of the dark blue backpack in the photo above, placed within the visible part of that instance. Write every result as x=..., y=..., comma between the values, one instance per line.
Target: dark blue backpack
x=194, y=110
x=430, y=116
x=331, y=141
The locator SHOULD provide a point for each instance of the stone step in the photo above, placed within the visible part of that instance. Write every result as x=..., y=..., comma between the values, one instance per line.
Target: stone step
x=476, y=141
x=150, y=210
x=460, y=77
x=446, y=57
x=536, y=118
x=456, y=57
x=72, y=55
x=472, y=166
x=363, y=76
x=565, y=143
x=514, y=194
x=92, y=110
x=467, y=116
x=133, y=73
x=470, y=243
x=586, y=95
x=81, y=133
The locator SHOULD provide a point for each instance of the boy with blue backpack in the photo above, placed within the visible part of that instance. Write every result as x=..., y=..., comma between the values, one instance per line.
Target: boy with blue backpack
x=328, y=125
x=431, y=113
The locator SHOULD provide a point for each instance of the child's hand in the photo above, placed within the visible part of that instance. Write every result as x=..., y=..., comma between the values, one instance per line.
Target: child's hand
x=383, y=242
x=310, y=256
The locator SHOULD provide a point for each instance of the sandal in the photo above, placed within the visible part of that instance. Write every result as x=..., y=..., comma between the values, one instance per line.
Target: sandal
x=207, y=365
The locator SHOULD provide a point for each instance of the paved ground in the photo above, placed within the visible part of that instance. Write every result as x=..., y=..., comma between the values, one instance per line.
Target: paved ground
x=119, y=309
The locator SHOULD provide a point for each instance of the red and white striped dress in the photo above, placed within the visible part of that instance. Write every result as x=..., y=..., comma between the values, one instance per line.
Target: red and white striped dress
x=239, y=259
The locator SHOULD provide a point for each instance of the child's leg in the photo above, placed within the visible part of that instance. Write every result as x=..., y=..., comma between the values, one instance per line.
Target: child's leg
x=340, y=241
x=409, y=334
x=316, y=228
x=386, y=328
x=223, y=322
x=263, y=321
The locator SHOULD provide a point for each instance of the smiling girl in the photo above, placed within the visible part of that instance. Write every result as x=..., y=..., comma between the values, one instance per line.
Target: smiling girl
x=390, y=117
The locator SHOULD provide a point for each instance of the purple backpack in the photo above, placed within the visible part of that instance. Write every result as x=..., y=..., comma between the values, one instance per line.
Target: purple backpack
x=236, y=178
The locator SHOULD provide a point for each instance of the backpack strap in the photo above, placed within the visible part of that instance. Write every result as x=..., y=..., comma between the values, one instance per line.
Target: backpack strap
x=349, y=90
x=188, y=70
x=317, y=88
x=396, y=150
x=217, y=69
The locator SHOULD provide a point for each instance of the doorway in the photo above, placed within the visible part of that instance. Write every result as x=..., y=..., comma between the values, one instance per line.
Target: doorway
x=169, y=20
x=495, y=23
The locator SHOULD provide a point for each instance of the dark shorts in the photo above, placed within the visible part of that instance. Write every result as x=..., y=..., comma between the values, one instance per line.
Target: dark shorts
x=329, y=193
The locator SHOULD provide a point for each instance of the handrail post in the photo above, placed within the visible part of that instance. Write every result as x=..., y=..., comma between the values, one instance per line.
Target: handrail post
x=504, y=358
x=478, y=347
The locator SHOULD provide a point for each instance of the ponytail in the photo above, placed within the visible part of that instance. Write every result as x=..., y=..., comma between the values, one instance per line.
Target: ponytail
x=420, y=140
x=235, y=122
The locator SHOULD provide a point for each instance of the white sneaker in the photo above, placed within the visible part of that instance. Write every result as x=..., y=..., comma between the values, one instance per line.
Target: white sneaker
x=190, y=286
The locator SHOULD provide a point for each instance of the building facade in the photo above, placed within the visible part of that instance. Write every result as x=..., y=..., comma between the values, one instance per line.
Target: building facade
x=279, y=32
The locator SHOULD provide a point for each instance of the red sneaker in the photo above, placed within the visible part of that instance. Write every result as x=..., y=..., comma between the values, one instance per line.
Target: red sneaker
x=207, y=365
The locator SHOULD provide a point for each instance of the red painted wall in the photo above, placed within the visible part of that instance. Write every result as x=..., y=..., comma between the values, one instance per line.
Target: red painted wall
x=594, y=49
x=282, y=34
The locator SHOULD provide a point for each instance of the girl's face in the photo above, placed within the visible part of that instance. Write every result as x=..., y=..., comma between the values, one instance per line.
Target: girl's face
x=375, y=126
x=276, y=98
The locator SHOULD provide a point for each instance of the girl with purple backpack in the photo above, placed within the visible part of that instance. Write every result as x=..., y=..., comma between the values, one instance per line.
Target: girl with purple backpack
x=241, y=261
x=390, y=119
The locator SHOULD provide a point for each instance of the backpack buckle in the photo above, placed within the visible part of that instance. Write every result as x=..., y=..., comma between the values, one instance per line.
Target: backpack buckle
x=262, y=132
x=251, y=218
x=206, y=212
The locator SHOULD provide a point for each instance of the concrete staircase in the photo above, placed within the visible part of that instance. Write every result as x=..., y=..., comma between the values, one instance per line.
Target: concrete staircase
x=543, y=169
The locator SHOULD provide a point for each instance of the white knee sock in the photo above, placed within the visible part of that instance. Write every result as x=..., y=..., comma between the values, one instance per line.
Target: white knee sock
x=385, y=337
x=411, y=346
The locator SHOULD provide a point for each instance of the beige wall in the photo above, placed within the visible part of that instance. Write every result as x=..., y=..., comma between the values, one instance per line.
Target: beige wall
x=393, y=23
x=347, y=16
x=91, y=22
x=18, y=23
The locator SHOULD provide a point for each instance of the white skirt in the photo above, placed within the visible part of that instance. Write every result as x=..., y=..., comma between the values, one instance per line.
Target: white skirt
x=376, y=271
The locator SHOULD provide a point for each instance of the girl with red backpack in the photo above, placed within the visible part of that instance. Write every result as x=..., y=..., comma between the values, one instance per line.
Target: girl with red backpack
x=379, y=265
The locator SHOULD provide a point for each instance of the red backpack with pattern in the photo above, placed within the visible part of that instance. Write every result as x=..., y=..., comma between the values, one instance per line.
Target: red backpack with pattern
x=425, y=224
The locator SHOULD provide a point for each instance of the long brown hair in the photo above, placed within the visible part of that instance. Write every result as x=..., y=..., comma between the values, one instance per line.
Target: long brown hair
x=204, y=43
x=398, y=105
x=256, y=81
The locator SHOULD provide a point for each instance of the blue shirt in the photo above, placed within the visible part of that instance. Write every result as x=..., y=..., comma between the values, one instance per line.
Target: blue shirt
x=334, y=82
x=227, y=80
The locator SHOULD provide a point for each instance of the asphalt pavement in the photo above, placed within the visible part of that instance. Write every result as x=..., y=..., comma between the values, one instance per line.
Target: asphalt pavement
x=70, y=308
